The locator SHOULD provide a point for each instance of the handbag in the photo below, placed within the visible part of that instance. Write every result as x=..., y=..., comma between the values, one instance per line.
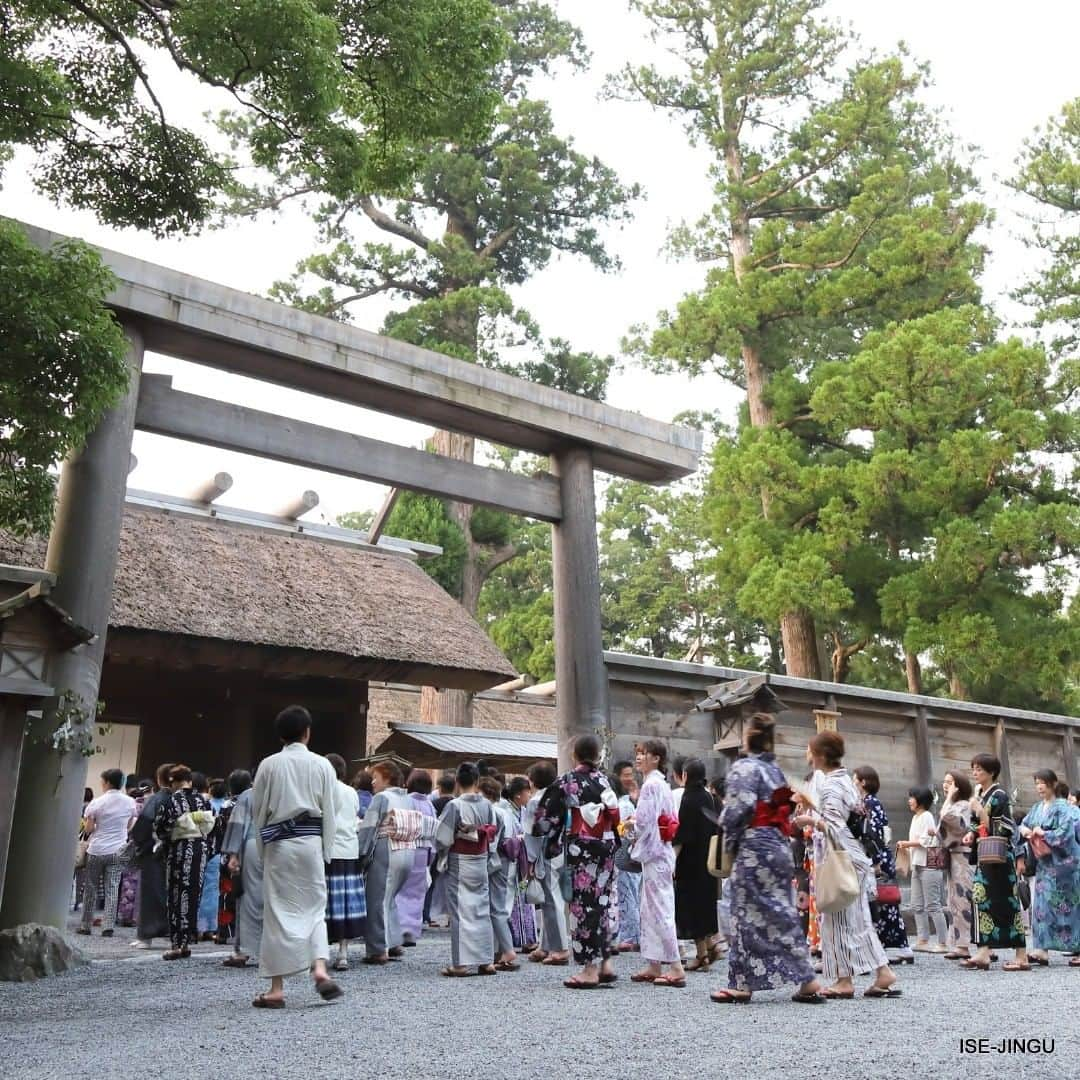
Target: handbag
x=534, y=892
x=566, y=883
x=993, y=850
x=1039, y=847
x=836, y=884
x=888, y=893
x=623, y=860
x=1023, y=893
x=937, y=858
x=714, y=860
x=82, y=850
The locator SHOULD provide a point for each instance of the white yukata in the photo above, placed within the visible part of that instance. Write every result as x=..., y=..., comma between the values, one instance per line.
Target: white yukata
x=657, y=914
x=290, y=784
x=472, y=942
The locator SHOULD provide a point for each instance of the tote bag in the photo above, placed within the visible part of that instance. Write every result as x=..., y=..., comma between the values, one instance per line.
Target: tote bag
x=836, y=885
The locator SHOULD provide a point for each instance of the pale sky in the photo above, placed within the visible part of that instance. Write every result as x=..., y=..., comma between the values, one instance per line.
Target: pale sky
x=999, y=69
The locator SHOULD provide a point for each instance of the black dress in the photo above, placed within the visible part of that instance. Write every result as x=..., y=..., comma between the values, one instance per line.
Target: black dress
x=696, y=890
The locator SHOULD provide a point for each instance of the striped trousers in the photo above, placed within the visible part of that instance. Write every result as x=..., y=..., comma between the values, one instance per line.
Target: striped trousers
x=98, y=867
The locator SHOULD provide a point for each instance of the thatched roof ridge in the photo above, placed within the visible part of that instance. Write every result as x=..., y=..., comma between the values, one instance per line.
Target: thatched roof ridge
x=208, y=580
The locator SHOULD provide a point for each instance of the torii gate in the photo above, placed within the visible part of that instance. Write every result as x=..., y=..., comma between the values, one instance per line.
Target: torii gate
x=193, y=319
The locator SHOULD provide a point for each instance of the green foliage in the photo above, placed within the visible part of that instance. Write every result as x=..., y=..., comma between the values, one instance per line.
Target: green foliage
x=516, y=605
x=340, y=89
x=1049, y=172
x=485, y=214
x=63, y=366
x=424, y=519
x=660, y=593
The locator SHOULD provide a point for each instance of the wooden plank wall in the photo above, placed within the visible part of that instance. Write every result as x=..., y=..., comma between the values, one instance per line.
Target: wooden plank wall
x=874, y=732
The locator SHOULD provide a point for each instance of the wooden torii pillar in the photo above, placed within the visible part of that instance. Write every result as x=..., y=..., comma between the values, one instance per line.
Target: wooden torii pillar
x=83, y=549
x=581, y=701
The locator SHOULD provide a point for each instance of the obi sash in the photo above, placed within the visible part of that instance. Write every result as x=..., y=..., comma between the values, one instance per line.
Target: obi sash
x=773, y=812
x=667, y=825
x=606, y=823
x=475, y=841
x=192, y=825
x=302, y=825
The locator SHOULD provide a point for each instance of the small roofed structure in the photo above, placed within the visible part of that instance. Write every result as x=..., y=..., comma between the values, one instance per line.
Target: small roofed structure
x=215, y=625
x=431, y=746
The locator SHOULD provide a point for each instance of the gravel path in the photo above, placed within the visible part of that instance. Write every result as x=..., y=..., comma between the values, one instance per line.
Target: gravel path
x=129, y=1015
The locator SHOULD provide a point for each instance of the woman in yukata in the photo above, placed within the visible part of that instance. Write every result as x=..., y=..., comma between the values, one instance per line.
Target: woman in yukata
x=1051, y=830
x=954, y=824
x=998, y=923
x=767, y=947
x=888, y=922
x=654, y=825
x=579, y=815
x=849, y=945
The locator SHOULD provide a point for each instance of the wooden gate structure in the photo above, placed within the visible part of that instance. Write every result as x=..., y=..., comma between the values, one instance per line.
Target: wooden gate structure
x=179, y=315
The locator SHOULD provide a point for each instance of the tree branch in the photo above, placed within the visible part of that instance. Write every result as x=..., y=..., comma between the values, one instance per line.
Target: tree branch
x=391, y=225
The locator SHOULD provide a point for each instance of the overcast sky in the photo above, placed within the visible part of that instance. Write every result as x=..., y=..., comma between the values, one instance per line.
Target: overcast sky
x=999, y=69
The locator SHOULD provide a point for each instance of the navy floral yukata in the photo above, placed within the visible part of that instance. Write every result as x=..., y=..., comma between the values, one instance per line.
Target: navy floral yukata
x=768, y=948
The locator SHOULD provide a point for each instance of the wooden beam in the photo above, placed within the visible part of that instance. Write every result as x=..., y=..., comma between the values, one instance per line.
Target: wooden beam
x=165, y=411
x=1001, y=752
x=383, y=515
x=924, y=765
x=1068, y=746
x=207, y=323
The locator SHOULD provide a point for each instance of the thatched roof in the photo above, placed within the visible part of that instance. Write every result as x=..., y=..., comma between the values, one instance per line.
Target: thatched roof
x=185, y=585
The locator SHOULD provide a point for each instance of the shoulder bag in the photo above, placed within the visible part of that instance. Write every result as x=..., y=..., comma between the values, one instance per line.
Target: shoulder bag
x=937, y=858
x=623, y=859
x=1039, y=847
x=82, y=849
x=836, y=884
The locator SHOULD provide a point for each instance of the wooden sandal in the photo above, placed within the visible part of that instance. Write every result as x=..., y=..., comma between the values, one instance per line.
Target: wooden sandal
x=264, y=1002
x=699, y=963
x=729, y=997
x=677, y=981
x=1015, y=965
x=457, y=973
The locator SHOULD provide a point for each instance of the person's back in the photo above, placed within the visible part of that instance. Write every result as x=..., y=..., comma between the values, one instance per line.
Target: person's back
x=346, y=842
x=294, y=783
x=111, y=813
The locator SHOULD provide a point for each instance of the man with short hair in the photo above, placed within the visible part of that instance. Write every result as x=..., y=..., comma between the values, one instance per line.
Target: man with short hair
x=293, y=814
x=108, y=818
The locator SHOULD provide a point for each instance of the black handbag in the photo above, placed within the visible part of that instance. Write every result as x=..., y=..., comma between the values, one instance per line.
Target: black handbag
x=623, y=861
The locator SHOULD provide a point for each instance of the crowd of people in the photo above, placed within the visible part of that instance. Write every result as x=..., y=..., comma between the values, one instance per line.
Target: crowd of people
x=797, y=882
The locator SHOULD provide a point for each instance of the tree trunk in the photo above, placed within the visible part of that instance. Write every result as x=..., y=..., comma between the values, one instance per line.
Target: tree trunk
x=957, y=690
x=841, y=657
x=913, y=671
x=453, y=708
x=800, y=646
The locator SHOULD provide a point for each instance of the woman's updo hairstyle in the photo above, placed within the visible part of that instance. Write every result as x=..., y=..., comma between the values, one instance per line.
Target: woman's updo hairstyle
x=828, y=745
x=657, y=748
x=760, y=733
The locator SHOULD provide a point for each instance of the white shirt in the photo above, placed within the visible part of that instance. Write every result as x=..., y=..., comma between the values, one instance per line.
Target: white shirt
x=676, y=794
x=921, y=831
x=111, y=814
x=346, y=822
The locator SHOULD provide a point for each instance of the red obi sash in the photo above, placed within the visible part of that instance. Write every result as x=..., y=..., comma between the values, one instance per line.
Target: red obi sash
x=607, y=822
x=484, y=836
x=668, y=827
x=775, y=811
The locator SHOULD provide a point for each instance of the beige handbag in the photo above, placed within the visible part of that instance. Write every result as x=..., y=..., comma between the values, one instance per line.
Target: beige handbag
x=836, y=884
x=82, y=849
x=718, y=862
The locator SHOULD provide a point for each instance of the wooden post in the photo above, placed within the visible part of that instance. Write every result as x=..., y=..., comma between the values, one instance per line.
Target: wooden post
x=1001, y=752
x=924, y=765
x=12, y=724
x=1068, y=747
x=83, y=551
x=582, y=691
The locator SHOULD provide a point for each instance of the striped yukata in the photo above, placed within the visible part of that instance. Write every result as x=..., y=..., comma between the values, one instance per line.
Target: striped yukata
x=849, y=943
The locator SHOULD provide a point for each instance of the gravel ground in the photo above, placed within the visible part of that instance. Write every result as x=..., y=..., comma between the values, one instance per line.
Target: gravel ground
x=129, y=1013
